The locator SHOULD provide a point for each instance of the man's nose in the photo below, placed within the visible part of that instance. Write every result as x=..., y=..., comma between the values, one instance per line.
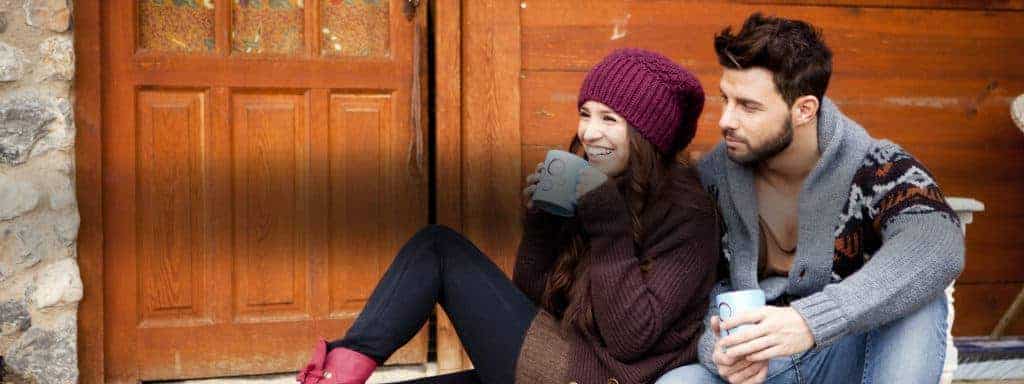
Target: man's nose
x=727, y=122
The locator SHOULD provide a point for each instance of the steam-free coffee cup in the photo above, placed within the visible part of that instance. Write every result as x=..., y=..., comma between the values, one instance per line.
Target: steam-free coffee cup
x=556, y=190
x=731, y=304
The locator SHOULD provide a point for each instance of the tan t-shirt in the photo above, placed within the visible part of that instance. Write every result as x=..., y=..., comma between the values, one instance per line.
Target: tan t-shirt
x=773, y=259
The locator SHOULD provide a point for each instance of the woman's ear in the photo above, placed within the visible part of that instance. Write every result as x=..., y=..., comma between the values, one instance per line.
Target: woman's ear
x=805, y=109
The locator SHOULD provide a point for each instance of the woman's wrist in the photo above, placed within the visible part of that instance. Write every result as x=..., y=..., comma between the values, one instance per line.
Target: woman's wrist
x=606, y=198
x=603, y=207
x=537, y=220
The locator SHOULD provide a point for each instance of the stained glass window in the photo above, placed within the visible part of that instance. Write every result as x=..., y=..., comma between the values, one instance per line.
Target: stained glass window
x=354, y=28
x=176, y=25
x=267, y=26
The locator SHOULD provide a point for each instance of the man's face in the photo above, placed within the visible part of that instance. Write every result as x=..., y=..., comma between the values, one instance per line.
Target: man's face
x=755, y=120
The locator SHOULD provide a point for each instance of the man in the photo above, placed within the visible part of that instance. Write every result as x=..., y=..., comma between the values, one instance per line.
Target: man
x=849, y=237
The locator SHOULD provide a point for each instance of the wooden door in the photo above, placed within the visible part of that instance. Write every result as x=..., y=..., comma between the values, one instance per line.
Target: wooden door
x=263, y=162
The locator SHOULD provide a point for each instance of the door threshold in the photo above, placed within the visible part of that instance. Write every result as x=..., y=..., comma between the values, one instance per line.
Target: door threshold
x=385, y=374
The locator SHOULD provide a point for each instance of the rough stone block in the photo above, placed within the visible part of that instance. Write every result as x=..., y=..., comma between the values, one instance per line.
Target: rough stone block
x=44, y=356
x=12, y=62
x=58, y=284
x=49, y=14
x=14, y=317
x=23, y=122
x=58, y=58
x=16, y=197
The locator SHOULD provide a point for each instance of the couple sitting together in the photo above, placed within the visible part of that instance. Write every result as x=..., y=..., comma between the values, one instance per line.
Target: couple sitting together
x=848, y=238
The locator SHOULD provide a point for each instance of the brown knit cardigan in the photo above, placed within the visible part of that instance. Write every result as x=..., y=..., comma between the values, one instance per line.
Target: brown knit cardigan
x=648, y=300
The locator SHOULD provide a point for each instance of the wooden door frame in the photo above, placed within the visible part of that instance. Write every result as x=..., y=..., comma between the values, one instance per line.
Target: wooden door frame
x=88, y=91
x=478, y=151
x=447, y=110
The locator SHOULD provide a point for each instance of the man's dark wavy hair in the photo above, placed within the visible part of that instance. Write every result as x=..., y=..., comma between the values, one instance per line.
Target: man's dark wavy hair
x=792, y=50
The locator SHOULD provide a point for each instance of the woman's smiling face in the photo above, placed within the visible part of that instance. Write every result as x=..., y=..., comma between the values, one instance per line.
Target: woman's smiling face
x=605, y=138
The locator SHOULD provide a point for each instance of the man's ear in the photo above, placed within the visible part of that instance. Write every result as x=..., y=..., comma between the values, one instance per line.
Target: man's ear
x=805, y=109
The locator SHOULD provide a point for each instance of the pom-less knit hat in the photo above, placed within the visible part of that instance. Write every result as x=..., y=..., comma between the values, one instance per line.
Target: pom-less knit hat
x=658, y=98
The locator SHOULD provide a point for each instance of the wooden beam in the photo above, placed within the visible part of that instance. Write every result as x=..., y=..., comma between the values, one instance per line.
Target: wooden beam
x=88, y=168
x=447, y=108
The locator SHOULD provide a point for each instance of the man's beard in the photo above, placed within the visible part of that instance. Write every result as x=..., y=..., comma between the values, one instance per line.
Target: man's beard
x=773, y=147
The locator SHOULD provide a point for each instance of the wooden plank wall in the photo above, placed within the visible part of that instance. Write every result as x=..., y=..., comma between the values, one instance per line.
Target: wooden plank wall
x=935, y=76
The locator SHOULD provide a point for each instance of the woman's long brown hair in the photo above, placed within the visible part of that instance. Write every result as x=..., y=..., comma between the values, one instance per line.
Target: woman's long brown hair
x=566, y=293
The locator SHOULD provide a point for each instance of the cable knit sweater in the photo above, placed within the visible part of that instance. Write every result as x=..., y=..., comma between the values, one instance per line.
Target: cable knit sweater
x=648, y=300
x=876, y=239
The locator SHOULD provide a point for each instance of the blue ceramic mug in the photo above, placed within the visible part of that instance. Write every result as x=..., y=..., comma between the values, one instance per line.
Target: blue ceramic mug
x=730, y=304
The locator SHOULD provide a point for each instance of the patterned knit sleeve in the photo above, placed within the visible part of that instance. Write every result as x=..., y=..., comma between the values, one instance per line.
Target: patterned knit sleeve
x=921, y=249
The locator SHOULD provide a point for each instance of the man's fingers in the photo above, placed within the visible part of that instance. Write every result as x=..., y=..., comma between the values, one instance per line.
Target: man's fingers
x=745, y=374
x=753, y=316
x=739, y=365
x=742, y=375
x=756, y=345
x=760, y=376
x=721, y=359
x=749, y=333
x=767, y=354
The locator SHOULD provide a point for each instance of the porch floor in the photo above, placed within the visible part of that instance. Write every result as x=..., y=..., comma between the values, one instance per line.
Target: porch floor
x=392, y=374
x=388, y=374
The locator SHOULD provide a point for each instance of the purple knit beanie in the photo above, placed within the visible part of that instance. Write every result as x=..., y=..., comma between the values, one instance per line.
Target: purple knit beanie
x=658, y=98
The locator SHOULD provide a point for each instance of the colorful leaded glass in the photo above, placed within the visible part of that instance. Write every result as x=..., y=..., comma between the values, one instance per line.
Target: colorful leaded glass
x=354, y=28
x=176, y=25
x=267, y=27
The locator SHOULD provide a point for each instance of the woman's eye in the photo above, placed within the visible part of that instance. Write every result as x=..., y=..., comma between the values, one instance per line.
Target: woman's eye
x=584, y=114
x=610, y=119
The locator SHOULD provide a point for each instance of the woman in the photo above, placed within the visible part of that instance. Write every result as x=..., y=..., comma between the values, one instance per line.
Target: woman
x=615, y=294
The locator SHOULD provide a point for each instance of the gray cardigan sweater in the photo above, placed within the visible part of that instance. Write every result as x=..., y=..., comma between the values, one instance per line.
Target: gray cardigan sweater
x=876, y=239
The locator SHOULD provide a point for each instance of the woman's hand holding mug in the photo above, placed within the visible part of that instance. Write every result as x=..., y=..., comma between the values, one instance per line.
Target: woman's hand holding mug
x=590, y=179
x=531, y=185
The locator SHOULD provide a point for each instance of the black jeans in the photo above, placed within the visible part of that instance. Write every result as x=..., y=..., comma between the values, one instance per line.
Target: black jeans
x=440, y=266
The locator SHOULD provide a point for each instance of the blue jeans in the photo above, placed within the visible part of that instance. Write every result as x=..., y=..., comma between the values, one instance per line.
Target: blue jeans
x=906, y=351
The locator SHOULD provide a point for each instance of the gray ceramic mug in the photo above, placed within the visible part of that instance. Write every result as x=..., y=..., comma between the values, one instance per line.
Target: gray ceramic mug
x=556, y=190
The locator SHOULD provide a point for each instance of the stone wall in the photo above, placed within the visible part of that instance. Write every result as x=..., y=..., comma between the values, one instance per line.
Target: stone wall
x=40, y=286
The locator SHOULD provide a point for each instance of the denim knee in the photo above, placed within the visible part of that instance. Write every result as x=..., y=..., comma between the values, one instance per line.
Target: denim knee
x=689, y=374
x=921, y=334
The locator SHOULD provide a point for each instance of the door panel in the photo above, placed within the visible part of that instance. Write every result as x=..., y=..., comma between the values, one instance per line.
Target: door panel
x=257, y=180
x=270, y=197
x=356, y=136
x=170, y=193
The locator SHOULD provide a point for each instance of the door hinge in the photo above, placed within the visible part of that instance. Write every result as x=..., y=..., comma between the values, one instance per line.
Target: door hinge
x=410, y=8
